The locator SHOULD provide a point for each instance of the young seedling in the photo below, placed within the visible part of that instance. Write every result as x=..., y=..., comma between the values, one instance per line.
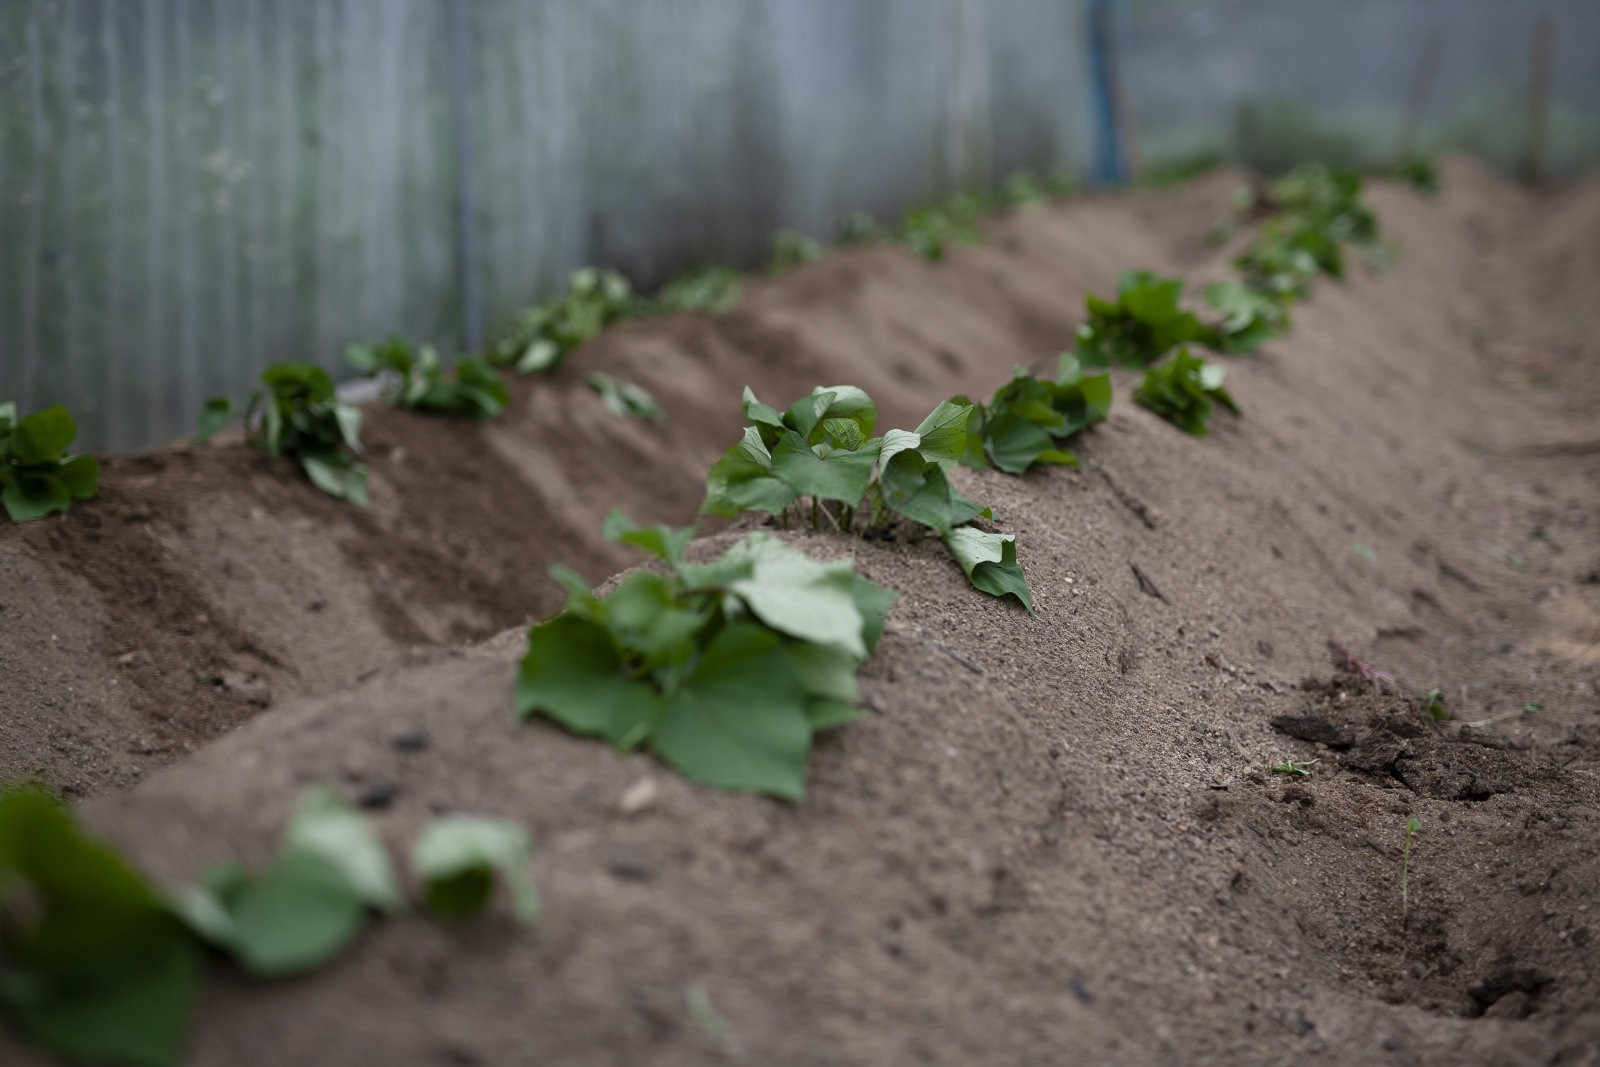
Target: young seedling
x=818, y=459
x=625, y=399
x=214, y=415
x=1420, y=172
x=545, y=334
x=930, y=231
x=1181, y=391
x=860, y=227
x=791, y=248
x=299, y=415
x=724, y=670
x=415, y=380
x=1293, y=767
x=1434, y=705
x=1412, y=826
x=1028, y=418
x=712, y=290
x=1250, y=317
x=37, y=476
x=1143, y=324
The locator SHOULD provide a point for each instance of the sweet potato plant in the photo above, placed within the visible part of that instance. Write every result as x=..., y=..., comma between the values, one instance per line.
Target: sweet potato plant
x=1028, y=419
x=298, y=414
x=1140, y=326
x=98, y=964
x=37, y=474
x=818, y=458
x=545, y=334
x=1182, y=389
x=415, y=380
x=724, y=670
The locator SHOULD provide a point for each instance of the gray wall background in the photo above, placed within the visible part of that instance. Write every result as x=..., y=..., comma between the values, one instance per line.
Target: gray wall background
x=190, y=189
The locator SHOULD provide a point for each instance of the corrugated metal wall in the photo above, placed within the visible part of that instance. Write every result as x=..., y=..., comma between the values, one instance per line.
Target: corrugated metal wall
x=190, y=189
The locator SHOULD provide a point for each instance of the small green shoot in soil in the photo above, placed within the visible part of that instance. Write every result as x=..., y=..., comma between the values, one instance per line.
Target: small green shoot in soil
x=1297, y=768
x=1143, y=324
x=416, y=381
x=37, y=476
x=1434, y=705
x=299, y=415
x=214, y=415
x=625, y=399
x=1181, y=391
x=1028, y=418
x=724, y=670
x=791, y=248
x=712, y=290
x=545, y=334
x=930, y=231
x=1412, y=826
x=1420, y=172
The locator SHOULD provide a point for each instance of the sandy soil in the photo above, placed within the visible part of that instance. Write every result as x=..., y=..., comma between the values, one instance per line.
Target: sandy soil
x=1056, y=840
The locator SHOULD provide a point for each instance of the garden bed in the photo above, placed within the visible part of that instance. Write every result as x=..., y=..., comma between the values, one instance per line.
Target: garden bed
x=1055, y=837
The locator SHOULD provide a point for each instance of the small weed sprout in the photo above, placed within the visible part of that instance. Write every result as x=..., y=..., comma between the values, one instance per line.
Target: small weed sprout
x=1435, y=706
x=1298, y=768
x=1412, y=826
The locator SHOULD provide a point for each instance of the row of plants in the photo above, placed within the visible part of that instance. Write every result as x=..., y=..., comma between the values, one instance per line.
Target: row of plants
x=724, y=668
x=100, y=964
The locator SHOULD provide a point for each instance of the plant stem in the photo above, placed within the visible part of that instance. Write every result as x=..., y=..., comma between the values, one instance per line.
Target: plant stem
x=816, y=514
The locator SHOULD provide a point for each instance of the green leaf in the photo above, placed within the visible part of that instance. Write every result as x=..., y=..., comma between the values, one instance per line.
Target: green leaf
x=80, y=476
x=213, y=417
x=573, y=674
x=624, y=399
x=844, y=402
x=841, y=475
x=645, y=619
x=136, y=1015
x=92, y=963
x=30, y=495
x=763, y=415
x=1013, y=444
x=918, y=489
x=990, y=562
x=337, y=476
x=43, y=437
x=874, y=602
x=744, y=480
x=740, y=722
x=799, y=596
x=297, y=915
x=457, y=856
x=1181, y=391
x=541, y=355
x=325, y=825
x=943, y=434
x=666, y=543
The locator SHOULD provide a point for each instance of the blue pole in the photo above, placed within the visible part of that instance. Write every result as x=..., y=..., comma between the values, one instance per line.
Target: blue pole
x=1108, y=168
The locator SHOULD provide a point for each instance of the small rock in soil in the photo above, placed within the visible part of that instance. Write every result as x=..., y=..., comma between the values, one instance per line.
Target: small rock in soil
x=410, y=741
x=1078, y=989
x=629, y=867
x=378, y=796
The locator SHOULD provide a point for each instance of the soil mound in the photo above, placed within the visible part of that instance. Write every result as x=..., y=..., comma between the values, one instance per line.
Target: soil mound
x=1057, y=838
